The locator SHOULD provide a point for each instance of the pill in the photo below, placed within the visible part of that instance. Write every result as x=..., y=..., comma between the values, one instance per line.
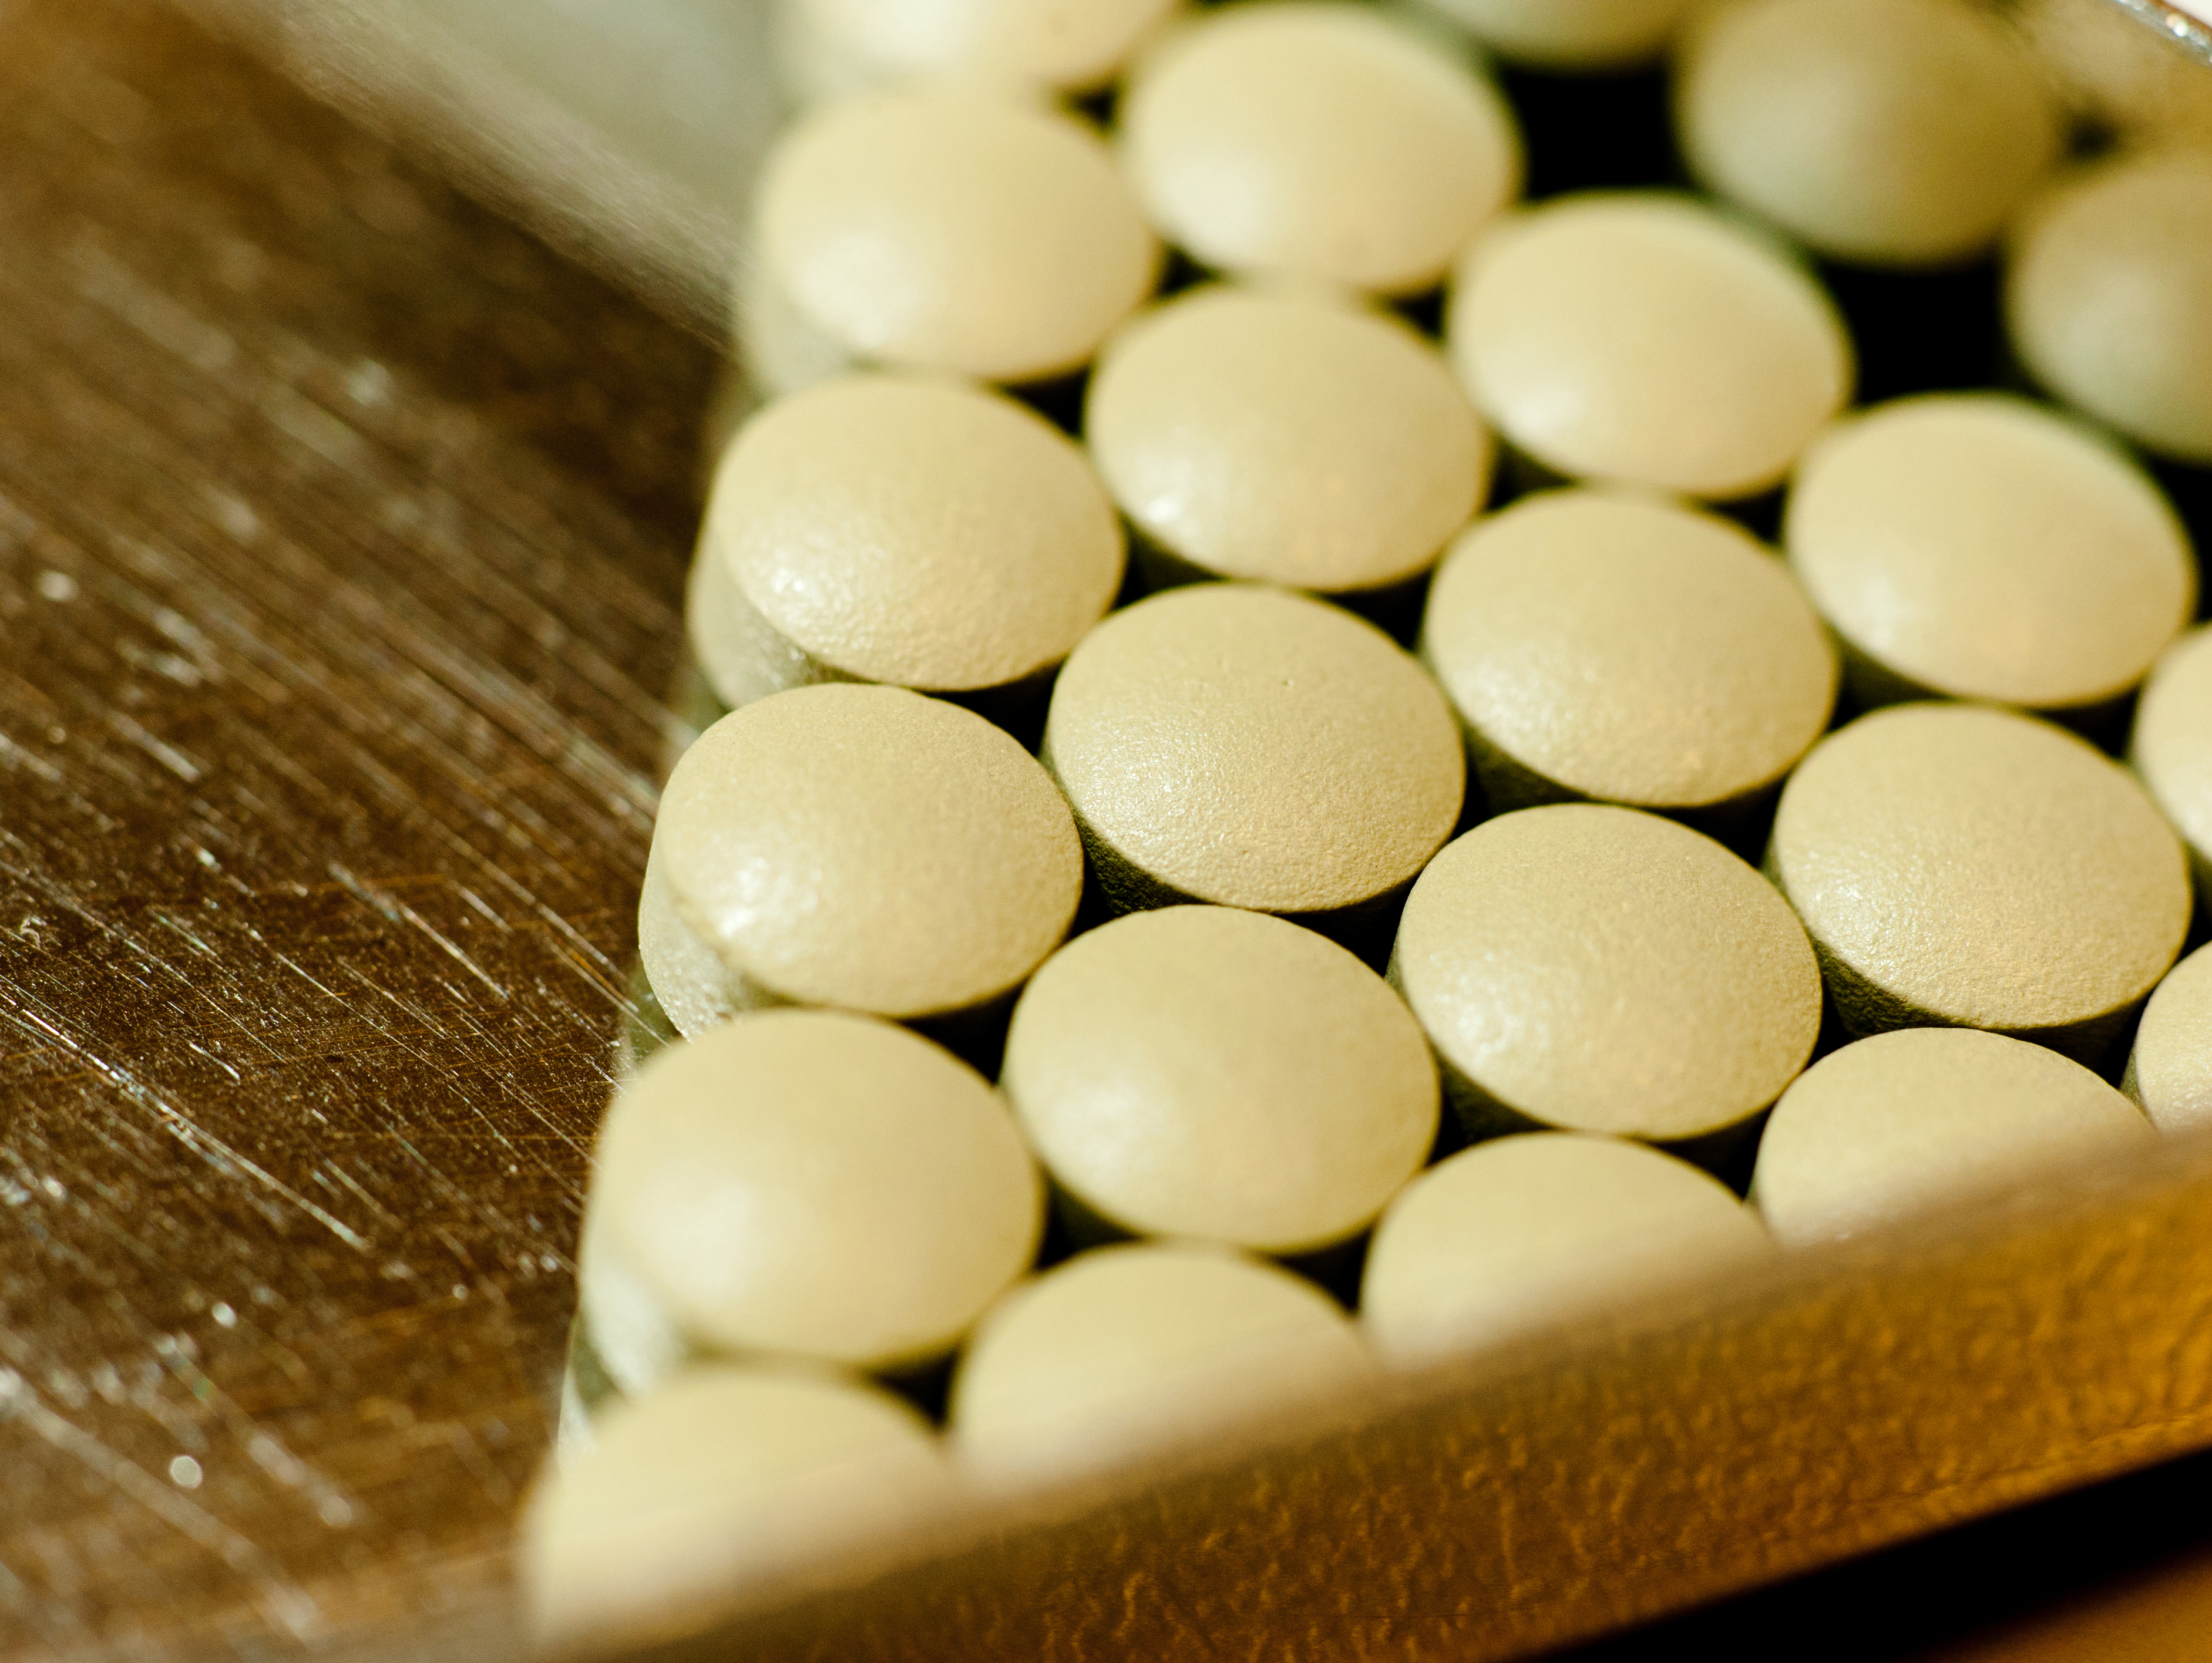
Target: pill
x=2170, y=1070
x=802, y=1183
x=1218, y=1075
x=1898, y=1123
x=1315, y=141
x=1252, y=747
x=829, y=48
x=1129, y=1353
x=1603, y=647
x=943, y=230
x=1889, y=132
x=715, y=1485
x=879, y=529
x=2108, y=297
x=1285, y=438
x=1584, y=35
x=1641, y=338
x=1595, y=969
x=1966, y=866
x=2172, y=748
x=859, y=846
x=1524, y=1235
x=1980, y=546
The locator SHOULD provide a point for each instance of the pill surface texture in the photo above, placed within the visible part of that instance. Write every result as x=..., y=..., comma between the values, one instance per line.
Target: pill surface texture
x=1287, y=439
x=1217, y=1074
x=1126, y=1352
x=1898, y=1123
x=1520, y=1234
x=810, y=1184
x=2170, y=1070
x=1569, y=35
x=1978, y=546
x=1970, y=866
x=1243, y=746
x=861, y=847
x=836, y=46
x=1640, y=338
x=2172, y=748
x=1598, y=969
x=1314, y=140
x=1627, y=651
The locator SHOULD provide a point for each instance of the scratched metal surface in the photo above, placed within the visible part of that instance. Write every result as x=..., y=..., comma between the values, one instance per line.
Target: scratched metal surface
x=341, y=528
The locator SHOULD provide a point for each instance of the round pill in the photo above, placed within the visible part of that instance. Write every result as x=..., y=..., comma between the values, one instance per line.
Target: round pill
x=1892, y=132
x=1970, y=866
x=1320, y=140
x=950, y=231
x=1284, y=439
x=1641, y=338
x=1628, y=651
x=1127, y=1352
x=925, y=534
x=860, y=846
x=2172, y=748
x=2108, y=297
x=1896, y=1124
x=1569, y=35
x=1601, y=969
x=833, y=47
x=1222, y=1076
x=1252, y=747
x=1520, y=1234
x=809, y=1184
x=2170, y=1070
x=716, y=1483
x=1978, y=546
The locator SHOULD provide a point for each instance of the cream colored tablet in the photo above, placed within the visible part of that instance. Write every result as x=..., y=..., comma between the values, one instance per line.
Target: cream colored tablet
x=1599, y=970
x=809, y=1184
x=1624, y=650
x=832, y=47
x=925, y=534
x=1892, y=132
x=1970, y=866
x=1569, y=35
x=1900, y=1123
x=719, y=1482
x=1242, y=745
x=2109, y=297
x=1520, y=1234
x=1320, y=140
x=862, y=847
x=952, y=231
x=1284, y=439
x=1641, y=338
x=1221, y=1076
x=1129, y=1353
x=2170, y=1071
x=1978, y=546
x=2172, y=749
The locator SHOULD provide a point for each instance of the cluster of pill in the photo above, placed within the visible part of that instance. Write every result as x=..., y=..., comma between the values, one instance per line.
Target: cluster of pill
x=1083, y=754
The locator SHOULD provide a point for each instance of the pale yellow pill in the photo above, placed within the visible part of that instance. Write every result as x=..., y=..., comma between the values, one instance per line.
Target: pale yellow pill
x=2172, y=748
x=1638, y=338
x=1252, y=747
x=2108, y=296
x=1897, y=1125
x=1627, y=651
x=714, y=1486
x=832, y=47
x=1569, y=35
x=925, y=534
x=1218, y=1075
x=1305, y=139
x=1127, y=1353
x=1599, y=969
x=1893, y=132
x=1284, y=439
x=808, y=1184
x=1966, y=866
x=952, y=231
x=860, y=846
x=1980, y=546
x=1520, y=1236
x=2170, y=1071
